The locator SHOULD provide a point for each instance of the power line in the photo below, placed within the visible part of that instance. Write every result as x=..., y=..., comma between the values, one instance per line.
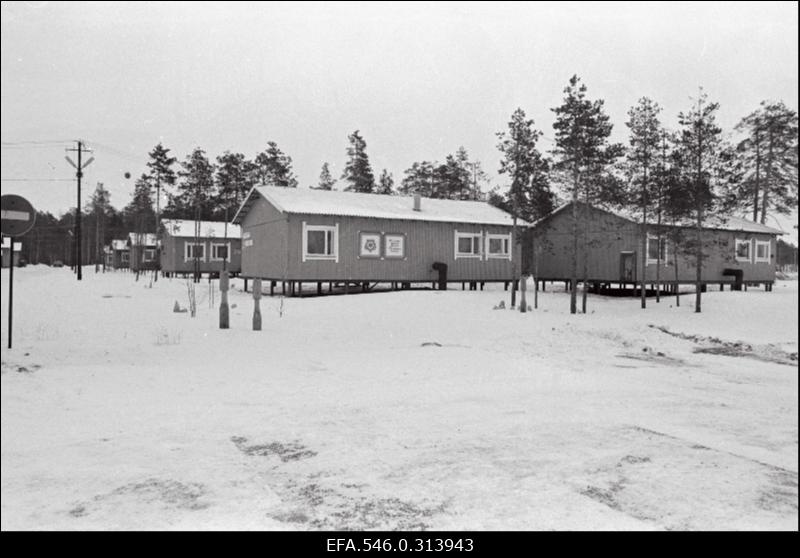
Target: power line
x=115, y=151
x=35, y=142
x=37, y=179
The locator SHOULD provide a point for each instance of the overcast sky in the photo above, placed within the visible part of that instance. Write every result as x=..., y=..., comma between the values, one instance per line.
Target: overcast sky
x=417, y=79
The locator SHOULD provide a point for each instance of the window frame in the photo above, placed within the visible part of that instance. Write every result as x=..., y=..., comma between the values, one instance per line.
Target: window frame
x=124, y=257
x=214, y=258
x=508, y=237
x=743, y=241
x=469, y=255
x=662, y=248
x=187, y=257
x=768, y=257
x=147, y=251
x=333, y=245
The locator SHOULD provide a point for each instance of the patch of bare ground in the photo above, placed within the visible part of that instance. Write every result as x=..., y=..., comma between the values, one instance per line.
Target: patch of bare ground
x=656, y=478
x=285, y=451
x=310, y=500
x=610, y=492
x=654, y=357
x=313, y=506
x=781, y=494
x=165, y=493
x=6, y=367
x=715, y=346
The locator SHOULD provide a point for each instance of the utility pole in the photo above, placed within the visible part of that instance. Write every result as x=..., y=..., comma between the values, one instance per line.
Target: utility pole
x=79, y=174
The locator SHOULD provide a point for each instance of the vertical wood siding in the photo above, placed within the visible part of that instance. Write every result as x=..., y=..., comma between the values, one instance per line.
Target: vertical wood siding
x=173, y=250
x=609, y=235
x=264, y=242
x=276, y=251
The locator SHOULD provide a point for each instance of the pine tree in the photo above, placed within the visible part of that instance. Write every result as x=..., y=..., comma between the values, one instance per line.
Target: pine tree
x=701, y=154
x=419, y=179
x=326, y=181
x=97, y=210
x=194, y=190
x=139, y=212
x=233, y=183
x=529, y=195
x=452, y=179
x=160, y=174
x=140, y=215
x=530, y=189
x=645, y=133
x=274, y=168
x=582, y=131
x=769, y=156
x=385, y=183
x=357, y=171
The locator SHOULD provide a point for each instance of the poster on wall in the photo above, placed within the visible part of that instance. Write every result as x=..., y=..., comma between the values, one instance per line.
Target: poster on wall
x=370, y=245
x=395, y=245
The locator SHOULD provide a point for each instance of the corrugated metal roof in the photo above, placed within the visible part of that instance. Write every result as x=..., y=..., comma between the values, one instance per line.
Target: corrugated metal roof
x=739, y=224
x=208, y=229
x=725, y=223
x=351, y=204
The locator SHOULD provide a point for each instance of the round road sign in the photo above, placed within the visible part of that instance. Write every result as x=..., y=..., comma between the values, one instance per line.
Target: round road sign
x=16, y=215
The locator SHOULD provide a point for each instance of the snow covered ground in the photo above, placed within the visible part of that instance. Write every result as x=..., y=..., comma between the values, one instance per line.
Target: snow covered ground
x=401, y=410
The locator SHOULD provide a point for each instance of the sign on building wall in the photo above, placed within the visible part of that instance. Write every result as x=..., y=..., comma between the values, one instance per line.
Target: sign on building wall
x=369, y=245
x=394, y=246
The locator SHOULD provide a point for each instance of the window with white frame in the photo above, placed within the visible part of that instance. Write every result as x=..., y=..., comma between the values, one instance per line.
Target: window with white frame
x=124, y=257
x=220, y=251
x=656, y=251
x=762, y=251
x=149, y=255
x=194, y=250
x=468, y=245
x=743, y=250
x=320, y=242
x=498, y=246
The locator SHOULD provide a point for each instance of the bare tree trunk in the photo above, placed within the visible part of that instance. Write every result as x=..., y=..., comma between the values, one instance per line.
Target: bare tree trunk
x=699, y=201
x=96, y=241
x=573, y=296
x=658, y=264
x=535, y=273
x=642, y=279
x=513, y=259
x=585, y=292
x=677, y=284
x=699, y=260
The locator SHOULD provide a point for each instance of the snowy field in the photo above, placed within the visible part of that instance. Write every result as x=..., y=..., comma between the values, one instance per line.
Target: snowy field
x=404, y=410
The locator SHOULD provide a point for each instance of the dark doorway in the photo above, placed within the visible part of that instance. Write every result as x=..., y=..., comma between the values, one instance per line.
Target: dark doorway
x=627, y=267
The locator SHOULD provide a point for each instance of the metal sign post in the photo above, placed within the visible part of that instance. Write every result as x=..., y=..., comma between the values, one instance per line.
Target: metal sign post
x=17, y=217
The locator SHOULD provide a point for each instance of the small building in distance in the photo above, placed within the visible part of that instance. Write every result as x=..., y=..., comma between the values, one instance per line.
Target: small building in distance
x=6, y=252
x=735, y=251
x=299, y=235
x=207, y=250
x=117, y=255
x=143, y=251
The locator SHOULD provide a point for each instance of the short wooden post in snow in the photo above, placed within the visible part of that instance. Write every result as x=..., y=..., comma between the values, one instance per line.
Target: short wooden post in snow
x=224, y=316
x=256, y=305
